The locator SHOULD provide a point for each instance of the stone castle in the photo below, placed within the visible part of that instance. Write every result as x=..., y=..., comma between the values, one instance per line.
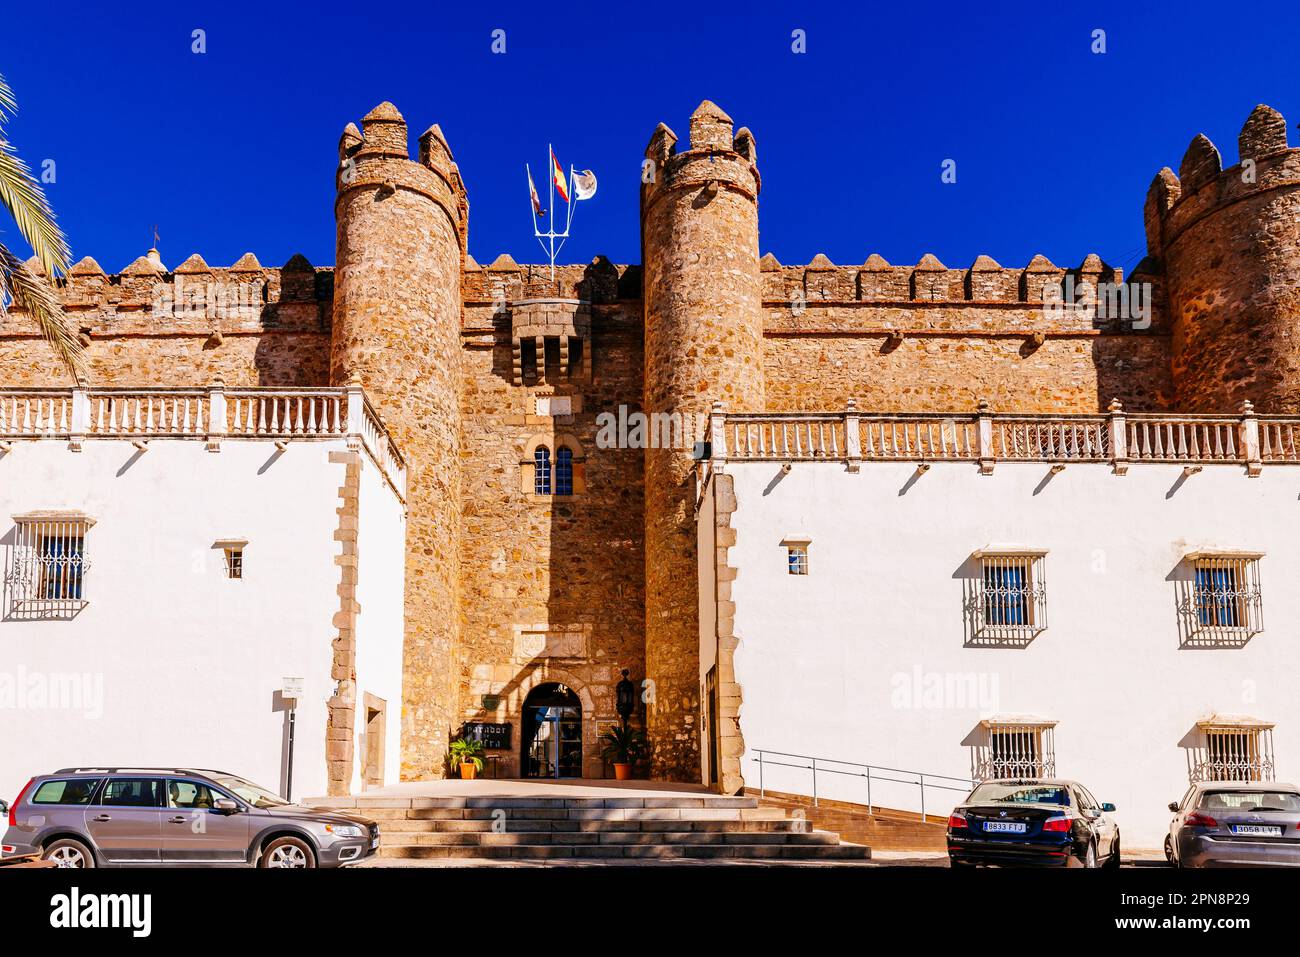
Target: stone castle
x=475, y=368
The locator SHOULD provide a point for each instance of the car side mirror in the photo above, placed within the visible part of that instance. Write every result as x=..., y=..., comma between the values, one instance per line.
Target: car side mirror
x=1108, y=807
x=1173, y=806
x=4, y=807
x=224, y=806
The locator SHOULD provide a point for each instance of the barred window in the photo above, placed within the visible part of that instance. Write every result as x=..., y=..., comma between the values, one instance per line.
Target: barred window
x=1016, y=749
x=233, y=554
x=47, y=567
x=1220, y=602
x=563, y=471
x=542, y=471
x=1237, y=751
x=1008, y=599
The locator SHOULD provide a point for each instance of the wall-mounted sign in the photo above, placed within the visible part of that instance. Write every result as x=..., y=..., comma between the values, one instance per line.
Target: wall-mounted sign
x=291, y=687
x=493, y=736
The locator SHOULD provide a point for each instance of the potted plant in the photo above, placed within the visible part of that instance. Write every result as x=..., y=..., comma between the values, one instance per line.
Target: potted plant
x=622, y=746
x=467, y=754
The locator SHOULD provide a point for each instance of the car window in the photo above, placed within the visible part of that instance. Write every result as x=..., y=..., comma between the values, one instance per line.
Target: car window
x=1251, y=801
x=1089, y=802
x=132, y=792
x=1020, y=794
x=191, y=794
x=74, y=791
x=1187, y=798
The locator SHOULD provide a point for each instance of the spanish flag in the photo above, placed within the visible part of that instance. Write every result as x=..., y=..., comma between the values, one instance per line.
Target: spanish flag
x=557, y=174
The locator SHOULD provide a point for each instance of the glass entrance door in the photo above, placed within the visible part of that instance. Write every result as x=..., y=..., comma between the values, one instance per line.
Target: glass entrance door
x=552, y=741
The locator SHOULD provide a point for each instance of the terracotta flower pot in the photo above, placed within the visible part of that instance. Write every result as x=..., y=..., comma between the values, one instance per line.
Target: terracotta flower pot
x=622, y=772
x=468, y=772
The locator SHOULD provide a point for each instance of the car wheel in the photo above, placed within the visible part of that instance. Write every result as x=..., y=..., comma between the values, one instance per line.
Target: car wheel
x=1112, y=862
x=69, y=853
x=1090, y=856
x=287, y=852
x=1169, y=850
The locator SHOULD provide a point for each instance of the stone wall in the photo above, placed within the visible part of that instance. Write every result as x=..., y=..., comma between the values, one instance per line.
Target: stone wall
x=704, y=342
x=1229, y=241
x=397, y=319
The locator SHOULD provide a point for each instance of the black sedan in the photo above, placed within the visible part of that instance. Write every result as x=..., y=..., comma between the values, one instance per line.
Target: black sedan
x=1042, y=822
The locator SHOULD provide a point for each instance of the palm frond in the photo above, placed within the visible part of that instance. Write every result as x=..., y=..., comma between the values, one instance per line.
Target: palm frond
x=25, y=200
x=8, y=103
x=36, y=297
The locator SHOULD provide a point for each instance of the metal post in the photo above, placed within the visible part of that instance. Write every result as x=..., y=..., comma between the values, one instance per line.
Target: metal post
x=814, y=771
x=288, y=784
x=922, y=798
x=761, y=791
x=869, y=805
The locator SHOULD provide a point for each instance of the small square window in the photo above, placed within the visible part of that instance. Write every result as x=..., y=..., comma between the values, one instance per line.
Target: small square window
x=796, y=557
x=233, y=555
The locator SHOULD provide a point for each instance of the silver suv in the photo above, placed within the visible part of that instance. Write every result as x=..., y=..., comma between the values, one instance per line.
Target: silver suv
x=115, y=817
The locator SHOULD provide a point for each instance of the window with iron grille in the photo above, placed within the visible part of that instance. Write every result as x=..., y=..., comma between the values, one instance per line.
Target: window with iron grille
x=1007, y=601
x=47, y=565
x=232, y=550
x=1016, y=750
x=542, y=471
x=1233, y=752
x=1221, y=602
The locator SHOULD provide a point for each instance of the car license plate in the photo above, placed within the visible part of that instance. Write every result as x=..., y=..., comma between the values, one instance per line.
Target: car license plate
x=1257, y=830
x=1005, y=827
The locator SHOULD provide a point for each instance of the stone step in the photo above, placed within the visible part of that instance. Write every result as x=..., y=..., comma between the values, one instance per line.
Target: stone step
x=586, y=838
x=385, y=815
x=368, y=804
x=421, y=826
x=736, y=852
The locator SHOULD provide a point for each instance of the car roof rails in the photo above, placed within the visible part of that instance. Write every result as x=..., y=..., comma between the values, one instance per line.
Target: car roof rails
x=101, y=770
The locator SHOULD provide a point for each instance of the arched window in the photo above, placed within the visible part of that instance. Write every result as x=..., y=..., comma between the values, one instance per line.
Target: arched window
x=542, y=471
x=563, y=471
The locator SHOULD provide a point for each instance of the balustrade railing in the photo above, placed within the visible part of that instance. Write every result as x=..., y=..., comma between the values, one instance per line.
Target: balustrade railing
x=986, y=437
x=211, y=414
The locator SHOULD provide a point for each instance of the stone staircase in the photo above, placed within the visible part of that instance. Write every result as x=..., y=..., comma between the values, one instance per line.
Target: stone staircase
x=669, y=828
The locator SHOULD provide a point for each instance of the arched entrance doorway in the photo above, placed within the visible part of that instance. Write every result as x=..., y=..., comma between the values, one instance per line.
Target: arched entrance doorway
x=552, y=733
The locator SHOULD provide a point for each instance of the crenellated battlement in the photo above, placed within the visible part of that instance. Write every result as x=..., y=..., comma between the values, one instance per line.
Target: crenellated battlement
x=1225, y=241
x=147, y=298
x=984, y=282
x=1266, y=163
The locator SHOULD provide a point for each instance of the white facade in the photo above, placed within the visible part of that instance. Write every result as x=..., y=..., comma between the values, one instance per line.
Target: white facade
x=870, y=657
x=164, y=659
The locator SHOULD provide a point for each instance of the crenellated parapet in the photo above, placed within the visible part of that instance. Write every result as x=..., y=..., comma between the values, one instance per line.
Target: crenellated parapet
x=148, y=298
x=1227, y=244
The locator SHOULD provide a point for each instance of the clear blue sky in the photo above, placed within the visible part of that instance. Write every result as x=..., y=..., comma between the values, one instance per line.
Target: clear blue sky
x=234, y=149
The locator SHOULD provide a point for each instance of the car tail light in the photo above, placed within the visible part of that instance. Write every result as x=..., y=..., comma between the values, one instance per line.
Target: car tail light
x=1200, y=820
x=13, y=808
x=957, y=821
x=1057, y=824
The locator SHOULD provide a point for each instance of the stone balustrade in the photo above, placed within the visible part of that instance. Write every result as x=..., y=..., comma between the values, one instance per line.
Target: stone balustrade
x=987, y=438
x=213, y=415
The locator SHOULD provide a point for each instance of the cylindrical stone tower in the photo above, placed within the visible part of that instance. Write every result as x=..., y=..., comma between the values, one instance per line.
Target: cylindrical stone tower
x=397, y=315
x=703, y=342
x=1229, y=244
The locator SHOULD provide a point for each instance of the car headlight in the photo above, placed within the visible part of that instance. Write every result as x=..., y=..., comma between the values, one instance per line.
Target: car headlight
x=343, y=830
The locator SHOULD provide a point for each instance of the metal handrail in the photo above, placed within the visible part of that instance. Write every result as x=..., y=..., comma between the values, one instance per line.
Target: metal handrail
x=870, y=772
